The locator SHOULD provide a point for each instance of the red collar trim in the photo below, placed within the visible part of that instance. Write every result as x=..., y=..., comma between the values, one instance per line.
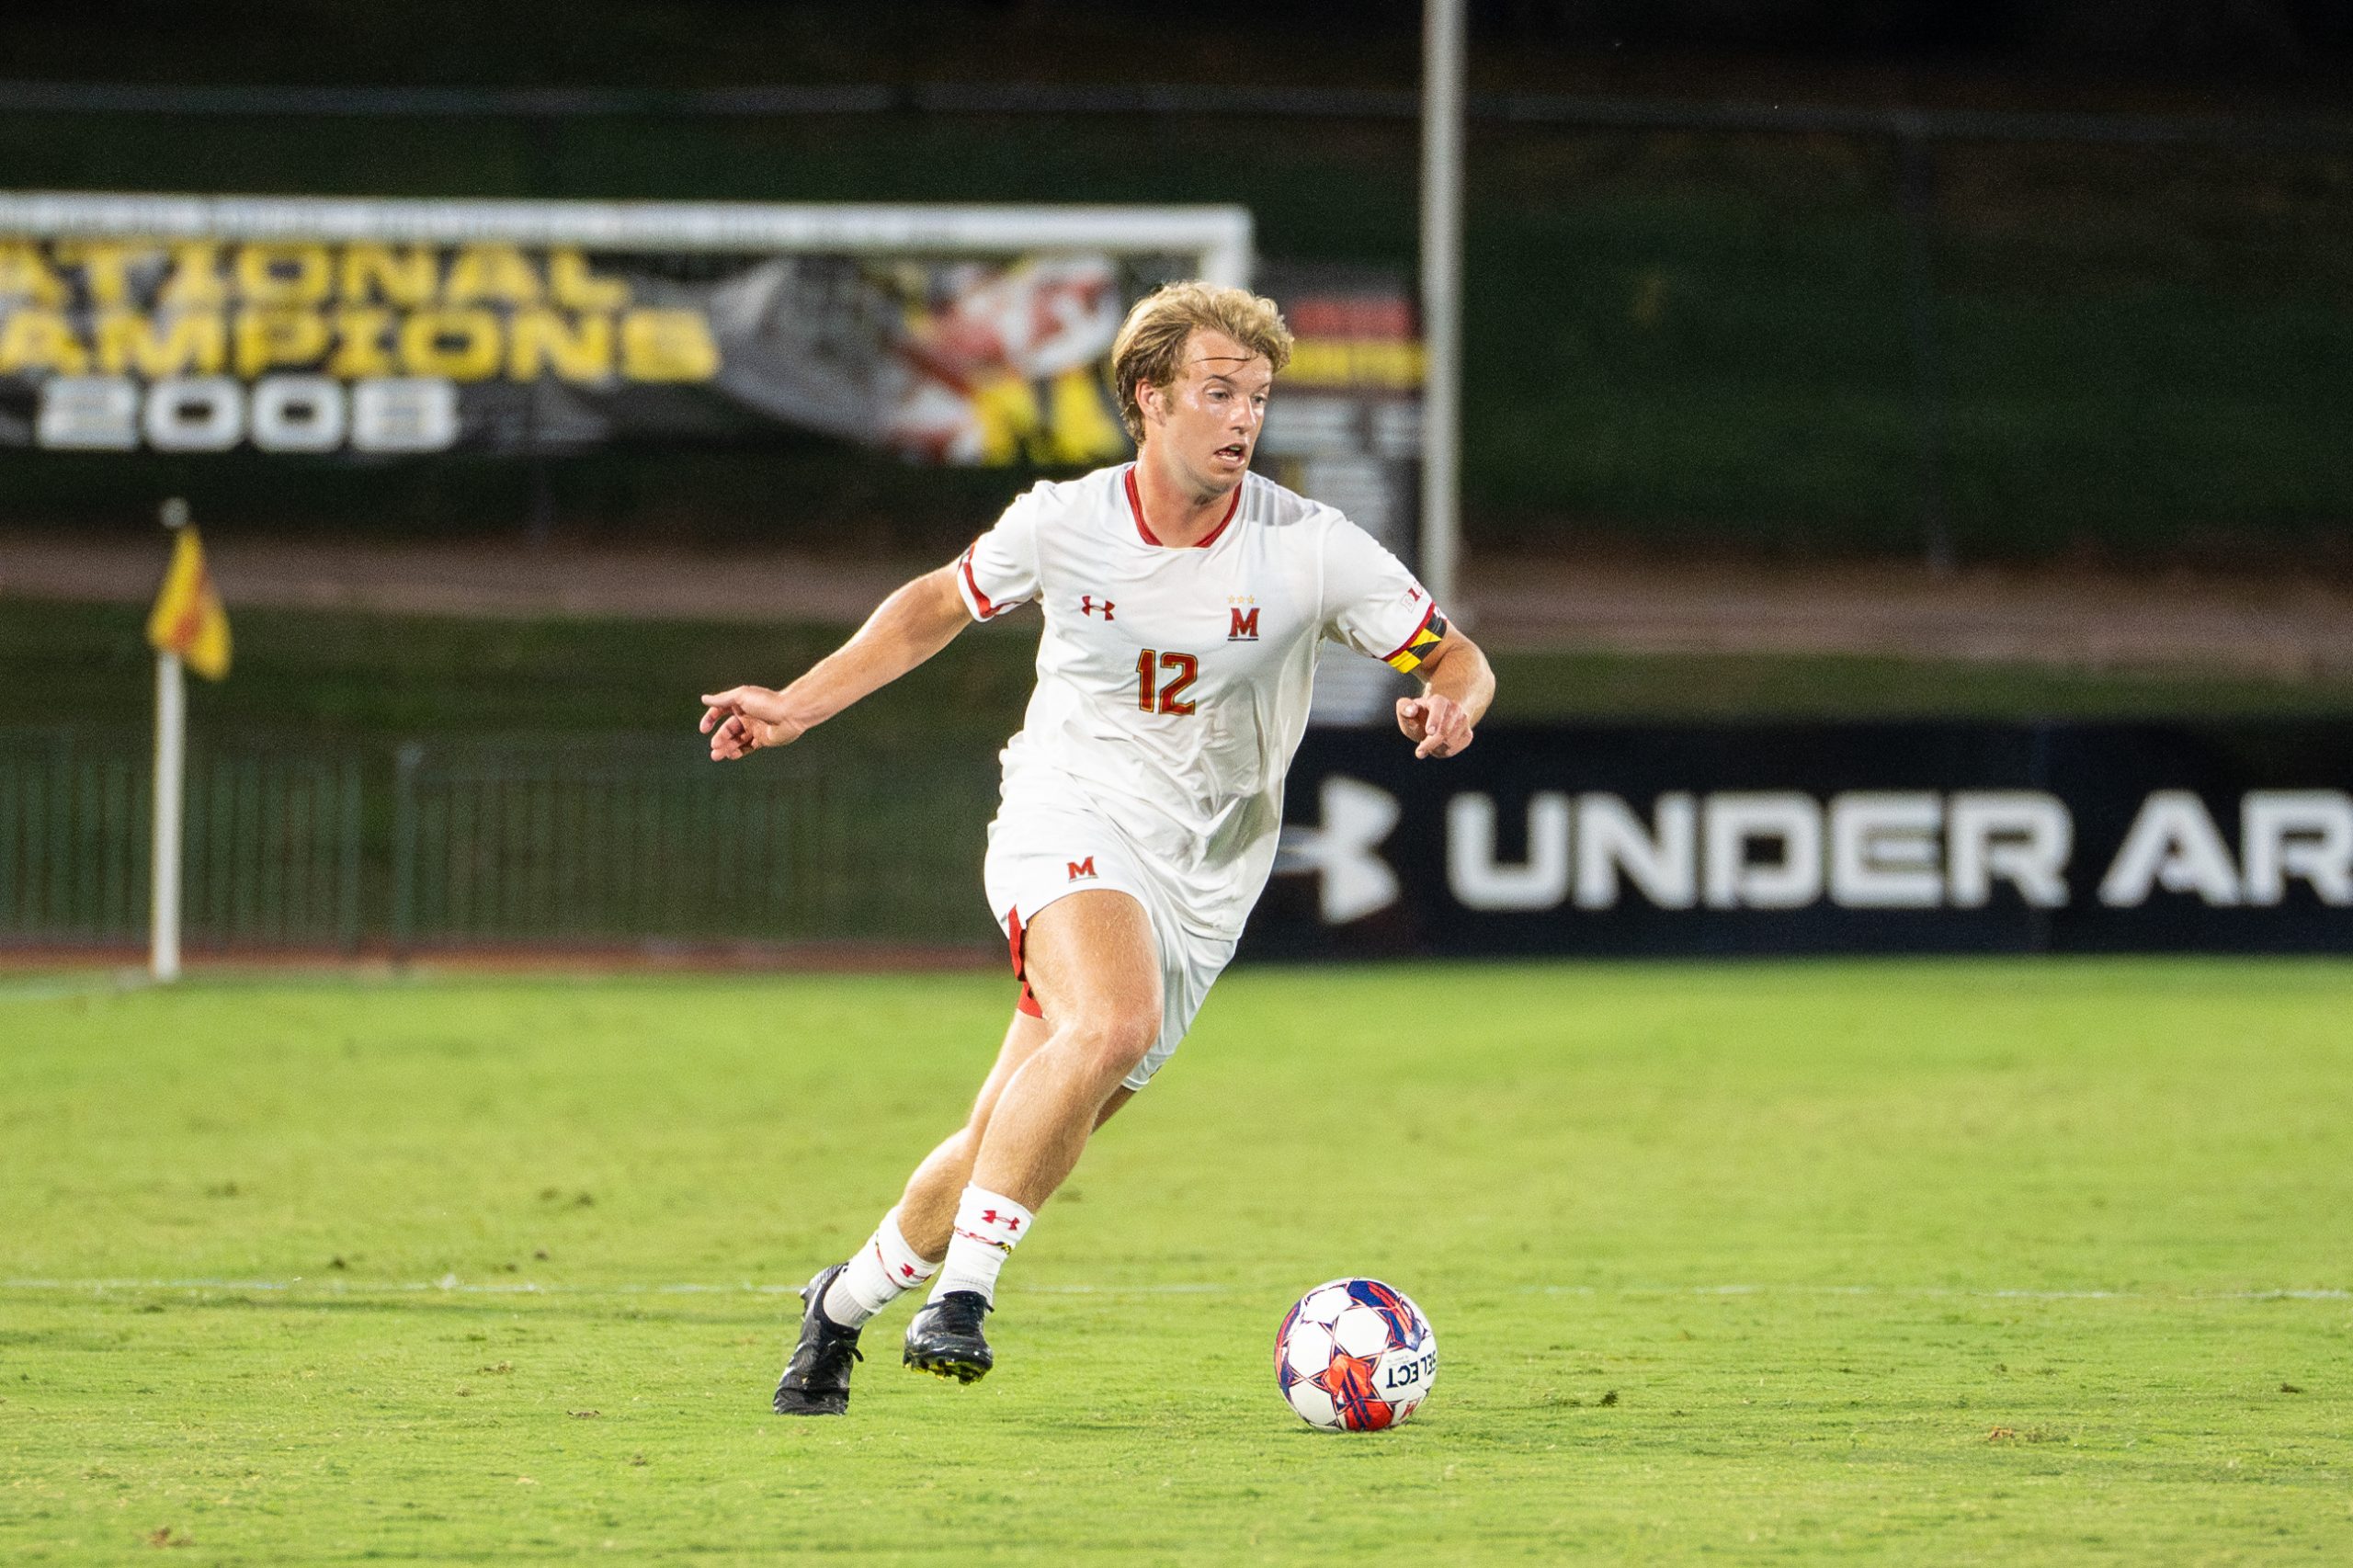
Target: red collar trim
x=1135, y=507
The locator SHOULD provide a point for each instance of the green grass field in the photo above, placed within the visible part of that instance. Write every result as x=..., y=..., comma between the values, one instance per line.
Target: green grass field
x=2018, y=1263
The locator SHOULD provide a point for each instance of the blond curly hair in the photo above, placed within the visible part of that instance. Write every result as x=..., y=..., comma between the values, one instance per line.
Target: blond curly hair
x=1152, y=341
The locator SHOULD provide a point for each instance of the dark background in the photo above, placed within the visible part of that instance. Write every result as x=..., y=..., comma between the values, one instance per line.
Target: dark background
x=2117, y=335
x=2154, y=44
x=1758, y=296
x=2104, y=773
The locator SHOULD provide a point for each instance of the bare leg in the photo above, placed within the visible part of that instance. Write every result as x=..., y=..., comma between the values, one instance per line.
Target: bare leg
x=1047, y=1074
x=927, y=1210
x=1092, y=962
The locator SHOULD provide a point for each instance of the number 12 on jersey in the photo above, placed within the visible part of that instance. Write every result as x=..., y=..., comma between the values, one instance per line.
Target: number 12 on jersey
x=1165, y=699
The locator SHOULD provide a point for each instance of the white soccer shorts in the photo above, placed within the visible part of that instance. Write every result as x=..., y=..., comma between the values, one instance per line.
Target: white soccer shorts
x=1038, y=854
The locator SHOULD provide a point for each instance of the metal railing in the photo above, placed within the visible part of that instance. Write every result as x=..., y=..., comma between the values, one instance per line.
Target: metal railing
x=610, y=840
x=270, y=857
x=638, y=840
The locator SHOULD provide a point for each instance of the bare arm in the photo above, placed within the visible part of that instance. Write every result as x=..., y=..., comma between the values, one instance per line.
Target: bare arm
x=916, y=621
x=1457, y=685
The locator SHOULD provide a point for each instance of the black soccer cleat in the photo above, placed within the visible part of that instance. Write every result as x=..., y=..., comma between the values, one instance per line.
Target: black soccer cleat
x=945, y=1339
x=816, y=1379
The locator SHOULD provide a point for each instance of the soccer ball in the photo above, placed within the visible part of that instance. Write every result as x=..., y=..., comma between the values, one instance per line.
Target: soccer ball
x=1355, y=1355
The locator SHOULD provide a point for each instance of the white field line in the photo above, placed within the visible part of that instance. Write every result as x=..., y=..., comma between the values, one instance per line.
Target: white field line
x=452, y=1285
x=1932, y=1292
x=55, y=989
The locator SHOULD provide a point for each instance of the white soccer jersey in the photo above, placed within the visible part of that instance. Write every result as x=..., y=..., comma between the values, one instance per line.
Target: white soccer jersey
x=1173, y=684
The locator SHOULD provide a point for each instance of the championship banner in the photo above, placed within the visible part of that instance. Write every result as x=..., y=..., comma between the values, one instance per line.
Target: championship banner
x=1819, y=839
x=371, y=329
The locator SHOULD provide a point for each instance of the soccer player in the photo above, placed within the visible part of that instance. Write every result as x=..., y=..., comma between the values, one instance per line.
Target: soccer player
x=1186, y=603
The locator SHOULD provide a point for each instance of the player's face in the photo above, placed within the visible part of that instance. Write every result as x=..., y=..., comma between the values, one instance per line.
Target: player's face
x=1207, y=422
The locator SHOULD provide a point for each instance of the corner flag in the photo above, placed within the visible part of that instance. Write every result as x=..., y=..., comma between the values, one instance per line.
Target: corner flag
x=187, y=628
x=189, y=618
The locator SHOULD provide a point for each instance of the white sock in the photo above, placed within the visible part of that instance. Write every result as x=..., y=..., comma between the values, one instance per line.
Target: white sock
x=988, y=1226
x=878, y=1274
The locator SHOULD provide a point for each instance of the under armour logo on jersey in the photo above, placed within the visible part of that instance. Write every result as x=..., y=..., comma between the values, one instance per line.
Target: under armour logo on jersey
x=1081, y=867
x=1086, y=606
x=1244, y=626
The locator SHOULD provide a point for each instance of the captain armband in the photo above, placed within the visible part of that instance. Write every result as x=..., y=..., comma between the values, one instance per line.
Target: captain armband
x=1428, y=635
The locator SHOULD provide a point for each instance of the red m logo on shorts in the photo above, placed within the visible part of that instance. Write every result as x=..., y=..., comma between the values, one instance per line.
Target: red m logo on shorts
x=1245, y=626
x=1082, y=868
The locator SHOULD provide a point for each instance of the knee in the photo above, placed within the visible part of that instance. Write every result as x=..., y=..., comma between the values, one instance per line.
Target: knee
x=1113, y=1043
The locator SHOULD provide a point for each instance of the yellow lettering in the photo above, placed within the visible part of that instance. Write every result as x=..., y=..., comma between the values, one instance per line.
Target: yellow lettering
x=1355, y=361
x=667, y=345
x=580, y=351
x=359, y=345
x=284, y=275
x=266, y=339
x=187, y=340
x=40, y=340
x=1005, y=408
x=1327, y=362
x=106, y=269
x=195, y=279
x=1082, y=426
x=494, y=275
x=24, y=276
x=397, y=277
x=577, y=288
x=462, y=345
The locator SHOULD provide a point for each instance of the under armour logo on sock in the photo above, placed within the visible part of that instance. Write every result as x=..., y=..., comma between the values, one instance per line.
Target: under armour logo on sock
x=991, y=1217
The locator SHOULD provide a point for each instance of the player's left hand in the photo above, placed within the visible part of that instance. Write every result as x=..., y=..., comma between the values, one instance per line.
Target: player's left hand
x=1436, y=725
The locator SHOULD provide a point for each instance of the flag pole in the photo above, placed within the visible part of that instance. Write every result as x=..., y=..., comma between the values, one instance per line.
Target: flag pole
x=171, y=764
x=1442, y=72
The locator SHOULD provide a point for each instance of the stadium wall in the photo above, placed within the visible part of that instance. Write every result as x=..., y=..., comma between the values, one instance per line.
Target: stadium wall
x=1601, y=840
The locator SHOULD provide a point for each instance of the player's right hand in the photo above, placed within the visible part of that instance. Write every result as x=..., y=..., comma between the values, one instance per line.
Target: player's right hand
x=742, y=719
